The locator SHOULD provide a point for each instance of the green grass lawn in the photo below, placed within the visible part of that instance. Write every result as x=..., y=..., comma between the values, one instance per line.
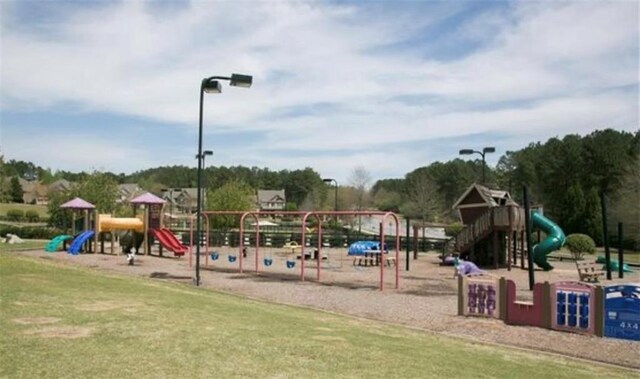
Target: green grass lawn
x=41, y=209
x=630, y=256
x=72, y=322
x=27, y=245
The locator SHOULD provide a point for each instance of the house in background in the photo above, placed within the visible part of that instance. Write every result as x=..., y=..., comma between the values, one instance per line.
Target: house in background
x=60, y=185
x=34, y=192
x=182, y=200
x=271, y=200
x=128, y=191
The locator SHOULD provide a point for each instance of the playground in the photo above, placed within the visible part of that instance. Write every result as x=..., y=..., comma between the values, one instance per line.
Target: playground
x=378, y=282
x=427, y=298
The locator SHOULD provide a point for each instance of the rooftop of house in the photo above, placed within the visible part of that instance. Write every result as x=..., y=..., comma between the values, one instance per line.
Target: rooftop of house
x=265, y=196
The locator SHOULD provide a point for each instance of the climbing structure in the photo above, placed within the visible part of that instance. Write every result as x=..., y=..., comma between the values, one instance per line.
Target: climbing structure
x=493, y=222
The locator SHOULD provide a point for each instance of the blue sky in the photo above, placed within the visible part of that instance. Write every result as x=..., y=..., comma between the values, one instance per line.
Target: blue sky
x=388, y=85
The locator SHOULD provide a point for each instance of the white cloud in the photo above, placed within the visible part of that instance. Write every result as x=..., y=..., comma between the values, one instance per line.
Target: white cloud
x=541, y=69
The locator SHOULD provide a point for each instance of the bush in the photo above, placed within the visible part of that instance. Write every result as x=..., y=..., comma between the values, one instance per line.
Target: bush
x=15, y=215
x=579, y=244
x=32, y=216
x=30, y=232
x=452, y=230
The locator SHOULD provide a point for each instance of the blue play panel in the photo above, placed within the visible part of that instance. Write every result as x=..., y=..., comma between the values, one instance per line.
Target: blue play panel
x=622, y=312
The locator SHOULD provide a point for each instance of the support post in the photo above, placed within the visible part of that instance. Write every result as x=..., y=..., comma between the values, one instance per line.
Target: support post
x=515, y=247
x=522, y=250
x=495, y=249
x=408, y=244
x=527, y=223
x=605, y=234
x=620, y=251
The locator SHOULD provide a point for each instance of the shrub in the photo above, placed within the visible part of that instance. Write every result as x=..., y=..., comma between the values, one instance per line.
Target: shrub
x=453, y=229
x=579, y=244
x=30, y=232
x=32, y=216
x=15, y=215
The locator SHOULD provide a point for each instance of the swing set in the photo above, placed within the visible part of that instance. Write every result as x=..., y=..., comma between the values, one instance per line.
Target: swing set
x=290, y=264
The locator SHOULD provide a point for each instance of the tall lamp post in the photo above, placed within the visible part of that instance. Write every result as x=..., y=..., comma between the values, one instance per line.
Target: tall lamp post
x=335, y=204
x=203, y=157
x=210, y=85
x=482, y=153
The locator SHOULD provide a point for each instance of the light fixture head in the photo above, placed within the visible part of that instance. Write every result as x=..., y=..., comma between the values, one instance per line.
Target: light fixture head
x=466, y=152
x=489, y=150
x=239, y=80
x=211, y=86
x=327, y=180
x=207, y=152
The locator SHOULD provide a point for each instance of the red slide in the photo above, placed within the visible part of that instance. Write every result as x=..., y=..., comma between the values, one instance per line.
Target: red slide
x=169, y=241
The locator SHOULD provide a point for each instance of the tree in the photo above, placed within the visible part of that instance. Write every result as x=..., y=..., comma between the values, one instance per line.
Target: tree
x=360, y=179
x=15, y=190
x=4, y=190
x=233, y=196
x=59, y=218
x=424, y=198
x=97, y=188
x=389, y=201
x=624, y=205
x=101, y=190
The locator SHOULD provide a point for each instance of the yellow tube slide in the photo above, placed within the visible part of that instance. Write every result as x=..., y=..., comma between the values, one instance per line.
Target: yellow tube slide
x=108, y=223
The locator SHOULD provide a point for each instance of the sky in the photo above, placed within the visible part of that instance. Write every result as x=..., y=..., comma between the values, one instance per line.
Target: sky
x=385, y=85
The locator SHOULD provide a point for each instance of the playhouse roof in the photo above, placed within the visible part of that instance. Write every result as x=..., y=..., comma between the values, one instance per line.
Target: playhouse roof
x=78, y=203
x=490, y=197
x=147, y=198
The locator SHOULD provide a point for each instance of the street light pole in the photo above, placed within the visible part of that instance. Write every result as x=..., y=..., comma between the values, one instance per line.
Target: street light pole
x=482, y=153
x=335, y=198
x=210, y=85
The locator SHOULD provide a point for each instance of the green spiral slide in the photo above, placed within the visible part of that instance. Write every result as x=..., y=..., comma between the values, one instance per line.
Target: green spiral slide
x=554, y=241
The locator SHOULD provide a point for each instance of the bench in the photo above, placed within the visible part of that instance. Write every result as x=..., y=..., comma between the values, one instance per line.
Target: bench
x=365, y=261
x=589, y=271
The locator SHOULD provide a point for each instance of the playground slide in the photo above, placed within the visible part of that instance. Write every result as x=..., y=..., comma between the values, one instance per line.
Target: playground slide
x=169, y=241
x=554, y=241
x=52, y=246
x=77, y=243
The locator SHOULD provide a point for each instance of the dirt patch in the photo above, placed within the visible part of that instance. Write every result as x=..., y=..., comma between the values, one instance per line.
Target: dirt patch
x=68, y=332
x=108, y=305
x=36, y=320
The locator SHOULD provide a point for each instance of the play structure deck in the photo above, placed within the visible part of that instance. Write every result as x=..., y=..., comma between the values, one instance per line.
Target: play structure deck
x=494, y=230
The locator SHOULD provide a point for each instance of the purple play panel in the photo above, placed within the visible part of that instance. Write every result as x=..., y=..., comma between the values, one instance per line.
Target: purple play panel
x=78, y=203
x=147, y=198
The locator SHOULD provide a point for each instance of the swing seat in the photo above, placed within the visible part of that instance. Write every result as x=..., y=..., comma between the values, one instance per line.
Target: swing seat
x=268, y=262
x=291, y=264
x=215, y=256
x=232, y=258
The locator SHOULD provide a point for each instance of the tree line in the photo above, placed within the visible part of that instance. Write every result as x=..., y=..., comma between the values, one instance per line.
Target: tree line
x=565, y=175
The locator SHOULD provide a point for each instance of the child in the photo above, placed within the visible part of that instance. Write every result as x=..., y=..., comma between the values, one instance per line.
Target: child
x=466, y=268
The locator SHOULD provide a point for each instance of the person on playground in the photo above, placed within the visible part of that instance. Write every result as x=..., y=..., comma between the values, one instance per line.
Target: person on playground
x=466, y=268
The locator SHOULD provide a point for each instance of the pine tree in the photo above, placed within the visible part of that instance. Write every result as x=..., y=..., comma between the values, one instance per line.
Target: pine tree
x=15, y=191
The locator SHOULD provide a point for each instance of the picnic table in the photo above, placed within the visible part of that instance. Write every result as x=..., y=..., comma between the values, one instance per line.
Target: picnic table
x=372, y=258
